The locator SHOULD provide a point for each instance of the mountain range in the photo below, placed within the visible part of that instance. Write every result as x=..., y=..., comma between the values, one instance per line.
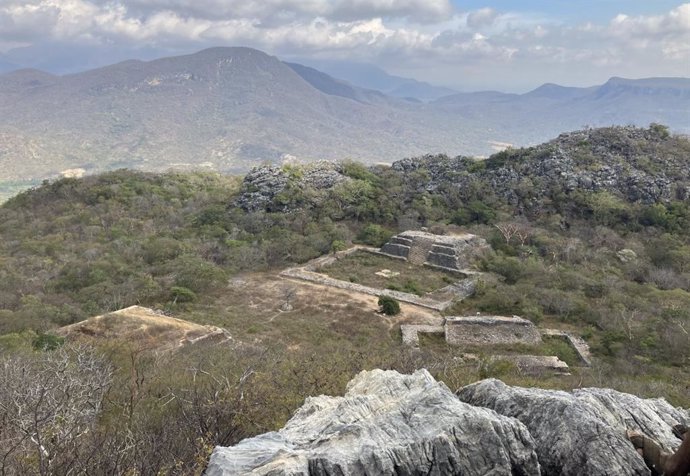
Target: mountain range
x=369, y=76
x=231, y=108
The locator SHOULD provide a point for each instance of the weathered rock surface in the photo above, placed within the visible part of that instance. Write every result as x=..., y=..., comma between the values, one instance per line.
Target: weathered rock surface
x=631, y=163
x=386, y=424
x=262, y=185
x=581, y=433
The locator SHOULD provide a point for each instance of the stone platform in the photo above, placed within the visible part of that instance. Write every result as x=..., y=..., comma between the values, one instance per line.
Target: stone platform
x=448, y=252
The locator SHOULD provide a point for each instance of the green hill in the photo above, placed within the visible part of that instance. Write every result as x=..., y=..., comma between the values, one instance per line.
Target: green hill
x=589, y=232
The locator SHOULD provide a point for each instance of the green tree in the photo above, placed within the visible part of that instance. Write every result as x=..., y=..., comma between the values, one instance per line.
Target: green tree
x=389, y=306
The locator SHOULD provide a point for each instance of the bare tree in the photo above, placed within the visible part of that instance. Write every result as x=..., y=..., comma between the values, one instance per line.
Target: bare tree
x=510, y=230
x=48, y=403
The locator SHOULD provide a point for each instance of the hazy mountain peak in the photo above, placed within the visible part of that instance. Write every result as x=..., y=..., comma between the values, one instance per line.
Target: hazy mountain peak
x=556, y=91
x=335, y=87
x=230, y=108
x=373, y=77
x=28, y=72
x=22, y=80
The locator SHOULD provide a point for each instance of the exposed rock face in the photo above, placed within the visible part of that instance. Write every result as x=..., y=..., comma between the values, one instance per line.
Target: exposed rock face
x=453, y=252
x=631, y=163
x=581, y=433
x=386, y=424
x=262, y=185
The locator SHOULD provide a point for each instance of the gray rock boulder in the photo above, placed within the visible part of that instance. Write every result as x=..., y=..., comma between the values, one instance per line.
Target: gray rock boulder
x=581, y=433
x=386, y=424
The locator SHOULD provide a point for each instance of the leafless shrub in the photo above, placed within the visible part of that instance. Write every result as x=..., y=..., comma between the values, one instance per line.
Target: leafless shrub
x=667, y=278
x=49, y=402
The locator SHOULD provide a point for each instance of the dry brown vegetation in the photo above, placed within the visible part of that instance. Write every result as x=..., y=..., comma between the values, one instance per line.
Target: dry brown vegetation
x=361, y=267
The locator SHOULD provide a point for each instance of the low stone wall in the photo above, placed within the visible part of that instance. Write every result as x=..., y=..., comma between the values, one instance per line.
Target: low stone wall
x=318, y=263
x=410, y=333
x=438, y=300
x=536, y=364
x=578, y=344
x=304, y=274
x=491, y=330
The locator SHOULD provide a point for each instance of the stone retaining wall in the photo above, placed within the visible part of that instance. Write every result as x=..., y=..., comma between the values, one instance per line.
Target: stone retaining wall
x=491, y=330
x=398, y=247
x=578, y=344
x=410, y=333
x=449, y=252
x=536, y=364
x=303, y=274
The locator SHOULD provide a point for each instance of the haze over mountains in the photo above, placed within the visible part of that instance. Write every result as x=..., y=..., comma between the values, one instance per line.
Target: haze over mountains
x=231, y=108
x=372, y=77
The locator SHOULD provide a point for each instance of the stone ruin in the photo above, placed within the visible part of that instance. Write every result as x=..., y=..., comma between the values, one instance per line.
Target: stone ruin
x=488, y=331
x=479, y=331
x=449, y=252
x=491, y=330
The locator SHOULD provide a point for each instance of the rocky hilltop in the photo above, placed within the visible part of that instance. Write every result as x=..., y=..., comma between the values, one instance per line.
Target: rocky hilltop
x=582, y=432
x=634, y=165
x=638, y=165
x=263, y=186
x=388, y=423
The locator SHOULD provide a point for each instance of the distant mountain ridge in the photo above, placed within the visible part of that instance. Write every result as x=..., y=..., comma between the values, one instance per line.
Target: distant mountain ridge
x=230, y=108
x=370, y=76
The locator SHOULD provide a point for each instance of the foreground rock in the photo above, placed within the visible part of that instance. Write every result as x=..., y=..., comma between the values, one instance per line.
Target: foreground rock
x=386, y=424
x=583, y=432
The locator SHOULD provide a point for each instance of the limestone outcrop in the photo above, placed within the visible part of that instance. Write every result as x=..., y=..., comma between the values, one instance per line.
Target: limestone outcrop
x=386, y=424
x=392, y=424
x=581, y=433
x=615, y=160
x=262, y=185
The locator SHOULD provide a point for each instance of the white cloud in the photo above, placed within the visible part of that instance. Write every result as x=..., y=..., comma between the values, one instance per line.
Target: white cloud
x=481, y=18
x=425, y=34
x=416, y=10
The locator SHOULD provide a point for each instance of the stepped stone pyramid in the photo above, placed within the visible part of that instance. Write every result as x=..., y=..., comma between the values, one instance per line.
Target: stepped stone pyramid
x=453, y=252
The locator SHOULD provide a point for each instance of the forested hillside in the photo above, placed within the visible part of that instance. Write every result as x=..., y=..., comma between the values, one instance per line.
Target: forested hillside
x=590, y=231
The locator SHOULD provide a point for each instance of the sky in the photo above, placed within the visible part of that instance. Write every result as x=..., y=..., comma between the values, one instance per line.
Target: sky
x=507, y=45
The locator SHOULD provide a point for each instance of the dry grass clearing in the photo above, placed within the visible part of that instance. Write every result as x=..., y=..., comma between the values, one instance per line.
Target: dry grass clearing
x=361, y=267
x=266, y=309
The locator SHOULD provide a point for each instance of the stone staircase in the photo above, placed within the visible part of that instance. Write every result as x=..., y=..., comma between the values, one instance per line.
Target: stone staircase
x=398, y=246
x=419, y=251
x=443, y=255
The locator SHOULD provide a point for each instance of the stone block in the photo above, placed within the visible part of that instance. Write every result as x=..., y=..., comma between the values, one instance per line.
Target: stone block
x=491, y=330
